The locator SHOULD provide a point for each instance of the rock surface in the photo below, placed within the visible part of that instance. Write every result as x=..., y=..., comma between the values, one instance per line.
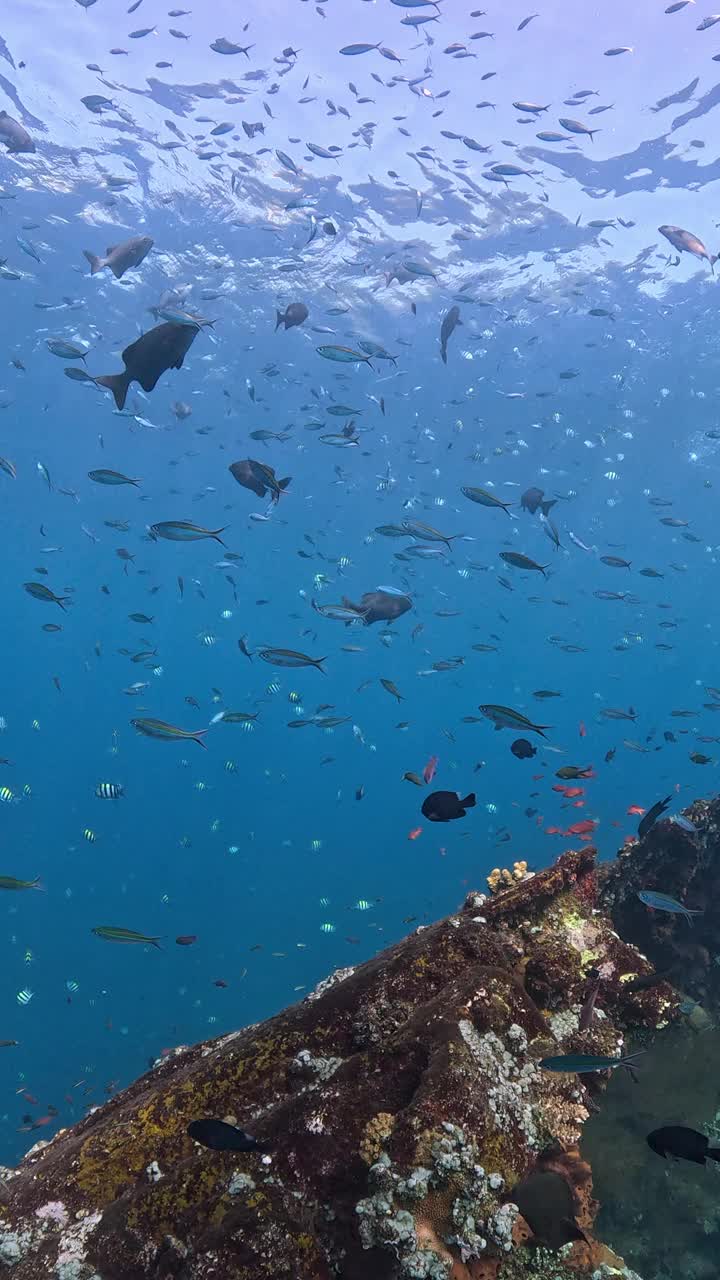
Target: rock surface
x=402, y=1101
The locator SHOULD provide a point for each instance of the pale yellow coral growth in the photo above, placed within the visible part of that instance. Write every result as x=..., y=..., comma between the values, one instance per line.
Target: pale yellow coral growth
x=502, y=878
x=376, y=1131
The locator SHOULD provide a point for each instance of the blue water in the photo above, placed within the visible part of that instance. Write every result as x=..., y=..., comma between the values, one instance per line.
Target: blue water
x=243, y=859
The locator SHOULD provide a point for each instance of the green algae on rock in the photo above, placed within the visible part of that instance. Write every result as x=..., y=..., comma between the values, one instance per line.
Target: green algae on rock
x=401, y=1102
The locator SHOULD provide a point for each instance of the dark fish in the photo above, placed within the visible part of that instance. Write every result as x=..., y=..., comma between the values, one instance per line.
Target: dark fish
x=444, y=806
x=121, y=257
x=145, y=360
x=296, y=313
x=519, y=561
x=522, y=749
x=615, y=562
x=686, y=242
x=546, y=1201
x=219, y=1136
x=534, y=498
x=448, y=327
x=14, y=135
x=380, y=606
x=684, y=1144
x=259, y=478
x=652, y=815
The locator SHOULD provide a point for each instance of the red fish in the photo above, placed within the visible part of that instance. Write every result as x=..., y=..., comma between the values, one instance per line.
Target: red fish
x=430, y=769
x=582, y=730
x=569, y=792
x=413, y=835
x=582, y=828
x=635, y=809
x=554, y=831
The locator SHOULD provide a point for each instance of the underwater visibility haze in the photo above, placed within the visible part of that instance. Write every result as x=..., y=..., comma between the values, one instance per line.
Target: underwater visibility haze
x=390, y=558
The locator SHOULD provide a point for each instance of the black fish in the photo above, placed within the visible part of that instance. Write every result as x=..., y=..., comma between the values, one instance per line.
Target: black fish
x=522, y=749
x=380, y=606
x=296, y=313
x=546, y=1202
x=449, y=324
x=158, y=350
x=259, y=478
x=534, y=498
x=219, y=1136
x=443, y=806
x=685, y=1144
x=650, y=818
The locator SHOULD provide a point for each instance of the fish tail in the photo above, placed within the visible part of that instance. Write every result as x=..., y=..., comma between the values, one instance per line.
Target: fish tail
x=469, y=802
x=37, y=884
x=155, y=942
x=283, y=484
x=216, y=534
x=539, y=729
x=96, y=264
x=318, y=662
x=443, y=355
x=279, y=321
x=118, y=383
x=713, y=1153
x=546, y=507
x=197, y=737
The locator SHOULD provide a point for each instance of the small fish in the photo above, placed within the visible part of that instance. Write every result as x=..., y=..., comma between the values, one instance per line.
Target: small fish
x=111, y=933
x=519, y=561
x=678, y=1141
x=391, y=688
x=445, y=806
x=216, y=1135
x=506, y=718
x=9, y=882
x=165, y=732
x=289, y=658
x=662, y=902
x=578, y=1063
x=652, y=815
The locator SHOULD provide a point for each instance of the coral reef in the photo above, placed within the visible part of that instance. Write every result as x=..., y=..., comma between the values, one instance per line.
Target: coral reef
x=400, y=1104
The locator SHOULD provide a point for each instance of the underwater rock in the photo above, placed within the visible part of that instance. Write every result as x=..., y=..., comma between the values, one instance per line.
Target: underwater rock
x=397, y=1106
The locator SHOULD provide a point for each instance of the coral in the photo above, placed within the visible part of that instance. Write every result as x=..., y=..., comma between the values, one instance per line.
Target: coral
x=502, y=878
x=398, y=1105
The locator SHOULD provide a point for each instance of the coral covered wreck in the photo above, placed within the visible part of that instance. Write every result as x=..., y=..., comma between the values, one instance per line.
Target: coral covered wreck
x=406, y=1117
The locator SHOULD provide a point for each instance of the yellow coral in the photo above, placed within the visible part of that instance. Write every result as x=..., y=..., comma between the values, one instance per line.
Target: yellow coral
x=502, y=878
x=376, y=1131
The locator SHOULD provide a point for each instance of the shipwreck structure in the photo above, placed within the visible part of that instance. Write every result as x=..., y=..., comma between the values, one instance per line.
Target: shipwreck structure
x=404, y=1115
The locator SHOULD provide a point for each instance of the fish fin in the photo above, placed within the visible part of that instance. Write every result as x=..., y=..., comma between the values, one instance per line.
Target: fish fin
x=110, y=249
x=547, y=506
x=469, y=802
x=155, y=942
x=713, y=1153
x=443, y=356
x=96, y=264
x=117, y=270
x=118, y=383
x=279, y=321
x=198, y=738
x=283, y=484
x=318, y=662
x=219, y=539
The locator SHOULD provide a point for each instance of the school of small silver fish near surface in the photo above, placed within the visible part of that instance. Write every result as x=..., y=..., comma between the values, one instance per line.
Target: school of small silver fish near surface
x=327, y=401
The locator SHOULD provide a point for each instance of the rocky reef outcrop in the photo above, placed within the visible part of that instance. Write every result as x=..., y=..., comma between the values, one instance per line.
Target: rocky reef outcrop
x=402, y=1104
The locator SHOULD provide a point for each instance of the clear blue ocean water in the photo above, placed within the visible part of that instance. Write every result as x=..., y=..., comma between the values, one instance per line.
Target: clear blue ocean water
x=257, y=860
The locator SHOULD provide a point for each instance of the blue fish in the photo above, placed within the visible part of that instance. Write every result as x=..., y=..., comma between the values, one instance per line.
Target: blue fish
x=661, y=902
x=578, y=1063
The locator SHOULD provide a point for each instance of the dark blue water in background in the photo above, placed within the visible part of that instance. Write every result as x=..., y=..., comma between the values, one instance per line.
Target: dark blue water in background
x=244, y=859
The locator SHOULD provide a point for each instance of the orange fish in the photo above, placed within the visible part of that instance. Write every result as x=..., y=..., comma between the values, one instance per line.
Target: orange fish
x=635, y=809
x=582, y=828
x=569, y=792
x=554, y=831
x=413, y=835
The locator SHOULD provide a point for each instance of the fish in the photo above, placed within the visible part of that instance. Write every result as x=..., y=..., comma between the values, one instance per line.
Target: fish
x=121, y=257
x=184, y=531
x=109, y=791
x=217, y=1135
x=110, y=477
x=652, y=815
x=522, y=749
x=678, y=1141
x=580, y=1063
x=289, y=658
x=534, y=498
x=259, y=478
x=379, y=606
x=686, y=242
x=9, y=882
x=296, y=313
x=164, y=732
x=146, y=359
x=450, y=323
x=662, y=902
x=547, y=1203
x=112, y=933
x=40, y=592
x=445, y=806
x=485, y=499
x=519, y=561
x=506, y=718
x=343, y=355
x=391, y=688
x=15, y=136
